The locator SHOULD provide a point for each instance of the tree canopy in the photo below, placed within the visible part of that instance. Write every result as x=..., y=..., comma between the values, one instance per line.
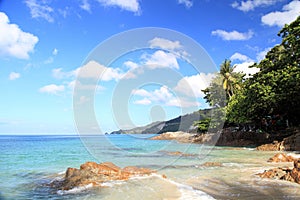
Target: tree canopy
x=274, y=90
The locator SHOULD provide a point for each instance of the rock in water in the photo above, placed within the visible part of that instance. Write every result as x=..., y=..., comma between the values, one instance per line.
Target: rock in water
x=95, y=174
x=281, y=157
x=287, y=174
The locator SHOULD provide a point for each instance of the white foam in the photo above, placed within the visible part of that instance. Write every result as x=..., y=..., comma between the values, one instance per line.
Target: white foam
x=187, y=192
x=75, y=190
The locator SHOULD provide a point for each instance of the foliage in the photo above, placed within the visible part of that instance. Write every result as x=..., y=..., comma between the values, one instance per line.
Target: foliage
x=276, y=88
x=202, y=125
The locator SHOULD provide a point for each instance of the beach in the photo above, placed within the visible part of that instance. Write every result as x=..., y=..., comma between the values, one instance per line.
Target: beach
x=29, y=164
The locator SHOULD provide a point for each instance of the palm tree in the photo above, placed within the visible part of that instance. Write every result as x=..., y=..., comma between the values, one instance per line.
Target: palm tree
x=231, y=80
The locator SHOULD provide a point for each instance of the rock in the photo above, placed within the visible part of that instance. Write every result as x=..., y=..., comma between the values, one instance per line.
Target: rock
x=275, y=146
x=212, y=164
x=276, y=173
x=95, y=174
x=178, y=136
x=284, y=174
x=177, y=153
x=292, y=143
x=281, y=157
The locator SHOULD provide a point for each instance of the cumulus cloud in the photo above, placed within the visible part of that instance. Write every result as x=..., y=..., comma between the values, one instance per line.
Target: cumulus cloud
x=95, y=70
x=252, y=4
x=144, y=101
x=161, y=96
x=52, y=89
x=14, y=76
x=54, y=52
x=192, y=85
x=240, y=57
x=186, y=3
x=39, y=9
x=261, y=55
x=164, y=44
x=129, y=5
x=85, y=6
x=233, y=35
x=161, y=59
x=289, y=13
x=246, y=69
x=13, y=41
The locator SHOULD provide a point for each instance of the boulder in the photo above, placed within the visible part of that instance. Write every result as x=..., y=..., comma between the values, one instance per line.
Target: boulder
x=177, y=153
x=275, y=146
x=287, y=174
x=281, y=157
x=95, y=174
x=212, y=164
x=292, y=143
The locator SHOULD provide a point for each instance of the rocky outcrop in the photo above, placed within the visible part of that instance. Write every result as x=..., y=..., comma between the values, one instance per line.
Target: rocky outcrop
x=96, y=174
x=177, y=153
x=292, y=143
x=275, y=146
x=287, y=174
x=212, y=164
x=178, y=136
x=281, y=157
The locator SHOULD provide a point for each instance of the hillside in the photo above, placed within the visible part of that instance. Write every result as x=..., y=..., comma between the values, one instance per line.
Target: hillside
x=181, y=123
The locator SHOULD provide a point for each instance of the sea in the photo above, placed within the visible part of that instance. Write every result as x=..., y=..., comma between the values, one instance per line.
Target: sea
x=28, y=164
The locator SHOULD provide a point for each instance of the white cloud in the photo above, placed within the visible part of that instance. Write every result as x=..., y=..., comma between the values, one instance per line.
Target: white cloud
x=240, y=57
x=54, y=52
x=14, y=76
x=39, y=9
x=59, y=74
x=233, y=35
x=288, y=14
x=131, y=65
x=144, y=101
x=192, y=85
x=85, y=6
x=161, y=59
x=252, y=4
x=129, y=5
x=246, y=69
x=13, y=41
x=81, y=86
x=163, y=96
x=186, y=3
x=52, y=89
x=261, y=55
x=95, y=70
x=164, y=44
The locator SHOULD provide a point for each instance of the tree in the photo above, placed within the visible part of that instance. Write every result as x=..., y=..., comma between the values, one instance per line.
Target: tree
x=231, y=80
x=275, y=90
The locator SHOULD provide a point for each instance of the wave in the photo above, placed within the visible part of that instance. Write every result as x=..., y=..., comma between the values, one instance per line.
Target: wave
x=186, y=192
x=75, y=190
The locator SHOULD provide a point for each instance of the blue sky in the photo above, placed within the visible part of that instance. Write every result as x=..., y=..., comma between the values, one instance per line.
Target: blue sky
x=46, y=46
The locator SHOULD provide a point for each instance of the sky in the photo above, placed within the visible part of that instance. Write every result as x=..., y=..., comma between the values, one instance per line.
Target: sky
x=104, y=65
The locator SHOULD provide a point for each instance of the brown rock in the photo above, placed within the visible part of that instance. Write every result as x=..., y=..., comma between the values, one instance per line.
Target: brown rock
x=284, y=174
x=275, y=146
x=276, y=173
x=292, y=143
x=93, y=173
x=212, y=164
x=281, y=157
x=177, y=153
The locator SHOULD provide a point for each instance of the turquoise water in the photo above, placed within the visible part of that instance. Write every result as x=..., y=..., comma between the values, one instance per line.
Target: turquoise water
x=29, y=163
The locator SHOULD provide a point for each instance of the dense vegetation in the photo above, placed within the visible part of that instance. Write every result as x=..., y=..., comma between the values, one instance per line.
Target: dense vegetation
x=272, y=94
